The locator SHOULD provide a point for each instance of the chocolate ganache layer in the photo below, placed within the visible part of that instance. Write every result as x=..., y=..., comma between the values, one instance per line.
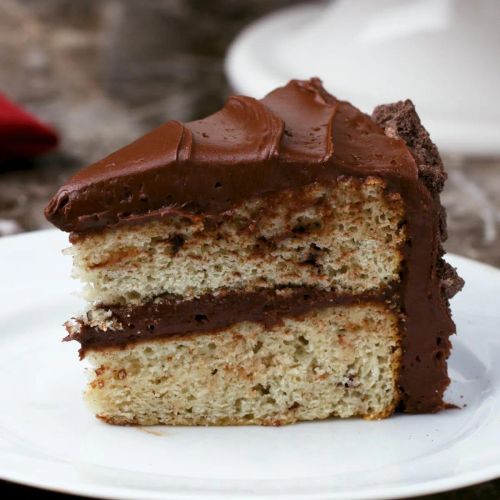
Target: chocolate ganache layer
x=167, y=317
x=296, y=135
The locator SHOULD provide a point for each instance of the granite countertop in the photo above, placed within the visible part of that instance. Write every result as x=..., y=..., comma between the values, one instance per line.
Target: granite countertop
x=93, y=69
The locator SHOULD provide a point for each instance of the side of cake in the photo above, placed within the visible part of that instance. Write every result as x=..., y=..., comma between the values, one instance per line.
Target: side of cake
x=278, y=261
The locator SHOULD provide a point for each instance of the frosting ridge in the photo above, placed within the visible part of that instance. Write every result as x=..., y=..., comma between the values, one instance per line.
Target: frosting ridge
x=308, y=119
x=243, y=131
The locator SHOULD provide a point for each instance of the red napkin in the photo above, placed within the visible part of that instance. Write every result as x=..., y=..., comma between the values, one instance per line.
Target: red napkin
x=21, y=134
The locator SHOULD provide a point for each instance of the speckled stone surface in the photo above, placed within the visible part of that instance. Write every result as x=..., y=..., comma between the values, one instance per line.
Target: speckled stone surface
x=105, y=71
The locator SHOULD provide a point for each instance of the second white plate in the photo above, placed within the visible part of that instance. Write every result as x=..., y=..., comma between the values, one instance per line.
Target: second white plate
x=436, y=52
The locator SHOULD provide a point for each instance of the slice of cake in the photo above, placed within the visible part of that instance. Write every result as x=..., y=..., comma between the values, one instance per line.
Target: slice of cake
x=278, y=261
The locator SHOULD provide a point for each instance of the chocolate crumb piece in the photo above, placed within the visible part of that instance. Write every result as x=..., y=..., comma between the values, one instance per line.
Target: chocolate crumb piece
x=400, y=120
x=451, y=282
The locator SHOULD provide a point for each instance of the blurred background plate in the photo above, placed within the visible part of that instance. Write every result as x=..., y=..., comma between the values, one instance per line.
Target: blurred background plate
x=443, y=54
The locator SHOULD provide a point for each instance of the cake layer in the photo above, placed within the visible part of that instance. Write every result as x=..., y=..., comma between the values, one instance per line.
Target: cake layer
x=344, y=235
x=338, y=361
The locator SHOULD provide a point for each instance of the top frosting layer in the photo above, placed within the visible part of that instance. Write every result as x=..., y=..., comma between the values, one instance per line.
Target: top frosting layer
x=295, y=135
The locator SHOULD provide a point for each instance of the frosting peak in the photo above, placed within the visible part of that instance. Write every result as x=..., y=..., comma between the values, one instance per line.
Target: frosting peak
x=308, y=118
x=243, y=131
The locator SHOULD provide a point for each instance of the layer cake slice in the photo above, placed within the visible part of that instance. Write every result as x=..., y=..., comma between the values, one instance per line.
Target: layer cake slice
x=278, y=261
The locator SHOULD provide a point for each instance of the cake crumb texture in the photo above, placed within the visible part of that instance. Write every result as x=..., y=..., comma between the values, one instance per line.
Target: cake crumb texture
x=344, y=235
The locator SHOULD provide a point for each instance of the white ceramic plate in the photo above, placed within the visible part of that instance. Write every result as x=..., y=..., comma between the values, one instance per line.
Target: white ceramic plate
x=49, y=439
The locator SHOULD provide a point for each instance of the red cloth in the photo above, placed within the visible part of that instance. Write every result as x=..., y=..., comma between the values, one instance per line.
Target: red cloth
x=21, y=134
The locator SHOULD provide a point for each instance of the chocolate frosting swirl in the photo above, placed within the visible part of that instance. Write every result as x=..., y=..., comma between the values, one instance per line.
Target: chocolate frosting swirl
x=243, y=131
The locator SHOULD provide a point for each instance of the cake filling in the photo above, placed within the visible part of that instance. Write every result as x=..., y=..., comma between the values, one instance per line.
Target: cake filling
x=173, y=317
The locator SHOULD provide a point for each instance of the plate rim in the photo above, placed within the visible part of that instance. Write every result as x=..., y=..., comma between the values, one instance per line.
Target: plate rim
x=107, y=492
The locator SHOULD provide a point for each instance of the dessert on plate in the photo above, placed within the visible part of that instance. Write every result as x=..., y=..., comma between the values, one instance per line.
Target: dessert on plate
x=278, y=261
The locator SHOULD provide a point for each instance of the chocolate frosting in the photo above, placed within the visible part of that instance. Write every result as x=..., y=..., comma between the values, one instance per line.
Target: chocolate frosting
x=296, y=135
x=168, y=317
